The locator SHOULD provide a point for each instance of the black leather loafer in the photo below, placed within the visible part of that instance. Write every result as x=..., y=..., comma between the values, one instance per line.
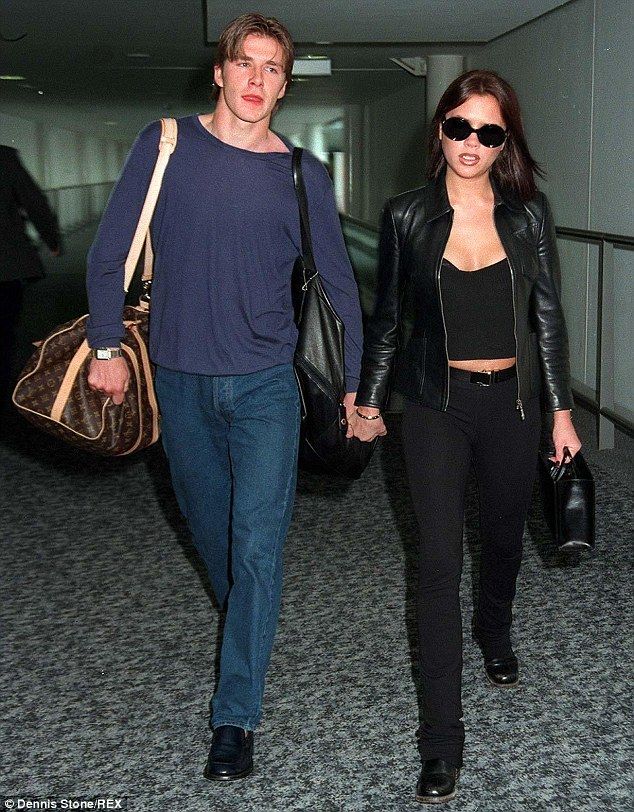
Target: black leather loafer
x=437, y=782
x=503, y=672
x=231, y=754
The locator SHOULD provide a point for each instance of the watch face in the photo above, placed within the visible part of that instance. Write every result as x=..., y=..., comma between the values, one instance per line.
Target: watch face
x=105, y=353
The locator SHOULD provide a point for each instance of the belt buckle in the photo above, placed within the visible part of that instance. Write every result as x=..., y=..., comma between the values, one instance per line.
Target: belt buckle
x=491, y=376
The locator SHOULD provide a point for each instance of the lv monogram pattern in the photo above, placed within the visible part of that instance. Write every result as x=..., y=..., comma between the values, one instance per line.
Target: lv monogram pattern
x=89, y=419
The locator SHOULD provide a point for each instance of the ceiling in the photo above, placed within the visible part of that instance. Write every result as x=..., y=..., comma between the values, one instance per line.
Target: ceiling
x=107, y=56
x=371, y=21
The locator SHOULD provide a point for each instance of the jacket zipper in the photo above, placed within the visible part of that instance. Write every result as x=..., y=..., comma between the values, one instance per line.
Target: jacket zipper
x=442, y=311
x=518, y=403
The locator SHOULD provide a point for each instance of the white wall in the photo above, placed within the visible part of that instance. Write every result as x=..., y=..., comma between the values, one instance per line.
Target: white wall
x=394, y=145
x=307, y=126
x=58, y=157
x=572, y=70
x=549, y=63
x=612, y=166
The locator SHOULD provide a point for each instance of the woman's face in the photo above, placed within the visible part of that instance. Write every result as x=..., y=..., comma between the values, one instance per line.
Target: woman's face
x=469, y=158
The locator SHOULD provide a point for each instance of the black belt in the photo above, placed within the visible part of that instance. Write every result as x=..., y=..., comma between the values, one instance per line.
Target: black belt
x=483, y=378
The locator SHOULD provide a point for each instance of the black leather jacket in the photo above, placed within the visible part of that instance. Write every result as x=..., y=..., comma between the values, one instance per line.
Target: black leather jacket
x=414, y=232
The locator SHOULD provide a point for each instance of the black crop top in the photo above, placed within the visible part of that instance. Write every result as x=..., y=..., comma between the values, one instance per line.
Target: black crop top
x=478, y=308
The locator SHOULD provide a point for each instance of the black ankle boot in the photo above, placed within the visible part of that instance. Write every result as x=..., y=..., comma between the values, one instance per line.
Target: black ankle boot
x=437, y=782
x=231, y=754
x=503, y=672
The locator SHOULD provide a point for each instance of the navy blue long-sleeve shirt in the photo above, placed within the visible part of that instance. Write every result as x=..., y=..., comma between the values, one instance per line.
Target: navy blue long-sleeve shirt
x=226, y=235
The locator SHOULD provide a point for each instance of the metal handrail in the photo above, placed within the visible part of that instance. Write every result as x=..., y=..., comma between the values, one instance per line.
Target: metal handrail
x=79, y=204
x=562, y=231
x=594, y=236
x=603, y=402
x=80, y=186
x=360, y=223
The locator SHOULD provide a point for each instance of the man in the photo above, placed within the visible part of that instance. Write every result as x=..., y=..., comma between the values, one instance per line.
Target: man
x=20, y=198
x=226, y=235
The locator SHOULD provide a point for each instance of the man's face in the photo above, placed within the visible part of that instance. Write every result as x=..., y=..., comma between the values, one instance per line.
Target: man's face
x=252, y=84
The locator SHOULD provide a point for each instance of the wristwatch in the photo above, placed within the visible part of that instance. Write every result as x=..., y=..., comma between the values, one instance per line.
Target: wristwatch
x=106, y=353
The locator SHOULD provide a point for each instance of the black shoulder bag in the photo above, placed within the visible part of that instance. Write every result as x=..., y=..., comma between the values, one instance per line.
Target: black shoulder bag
x=319, y=364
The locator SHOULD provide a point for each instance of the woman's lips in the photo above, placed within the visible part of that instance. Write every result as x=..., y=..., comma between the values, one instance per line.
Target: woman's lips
x=468, y=159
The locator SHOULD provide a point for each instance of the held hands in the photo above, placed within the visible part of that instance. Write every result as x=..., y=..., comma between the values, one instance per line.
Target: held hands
x=364, y=430
x=111, y=377
x=564, y=436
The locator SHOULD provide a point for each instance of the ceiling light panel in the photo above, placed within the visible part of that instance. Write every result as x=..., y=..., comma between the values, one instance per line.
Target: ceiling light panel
x=312, y=67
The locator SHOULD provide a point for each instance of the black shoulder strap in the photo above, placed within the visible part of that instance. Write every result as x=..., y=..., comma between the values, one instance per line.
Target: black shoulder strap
x=304, y=222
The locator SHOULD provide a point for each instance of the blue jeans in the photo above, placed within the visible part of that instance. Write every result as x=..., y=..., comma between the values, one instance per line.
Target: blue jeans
x=231, y=442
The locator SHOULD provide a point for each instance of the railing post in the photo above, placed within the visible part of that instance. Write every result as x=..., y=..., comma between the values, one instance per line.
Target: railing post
x=605, y=345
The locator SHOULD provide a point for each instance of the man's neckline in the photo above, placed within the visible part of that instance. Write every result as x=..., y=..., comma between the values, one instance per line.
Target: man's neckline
x=207, y=132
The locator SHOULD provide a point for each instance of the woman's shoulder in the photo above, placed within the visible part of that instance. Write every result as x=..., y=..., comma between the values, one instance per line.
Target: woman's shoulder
x=424, y=201
x=538, y=209
x=538, y=201
x=418, y=193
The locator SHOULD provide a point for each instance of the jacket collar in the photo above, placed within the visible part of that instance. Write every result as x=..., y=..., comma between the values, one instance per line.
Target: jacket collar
x=505, y=197
x=438, y=202
x=439, y=199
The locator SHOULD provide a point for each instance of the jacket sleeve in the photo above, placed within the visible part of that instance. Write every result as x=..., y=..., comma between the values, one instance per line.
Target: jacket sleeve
x=109, y=251
x=549, y=322
x=30, y=197
x=382, y=330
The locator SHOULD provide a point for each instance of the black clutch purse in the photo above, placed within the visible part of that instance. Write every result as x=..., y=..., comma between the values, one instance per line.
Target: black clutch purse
x=319, y=364
x=568, y=498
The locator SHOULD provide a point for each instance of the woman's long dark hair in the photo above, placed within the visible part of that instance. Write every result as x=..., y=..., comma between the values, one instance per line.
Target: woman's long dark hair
x=515, y=168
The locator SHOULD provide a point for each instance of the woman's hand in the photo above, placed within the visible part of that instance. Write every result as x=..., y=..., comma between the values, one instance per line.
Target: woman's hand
x=564, y=435
x=365, y=430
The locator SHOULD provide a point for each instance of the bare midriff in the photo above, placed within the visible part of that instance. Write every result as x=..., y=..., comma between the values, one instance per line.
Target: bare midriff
x=483, y=365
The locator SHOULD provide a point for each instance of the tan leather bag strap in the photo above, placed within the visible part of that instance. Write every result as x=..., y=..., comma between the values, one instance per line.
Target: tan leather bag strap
x=167, y=145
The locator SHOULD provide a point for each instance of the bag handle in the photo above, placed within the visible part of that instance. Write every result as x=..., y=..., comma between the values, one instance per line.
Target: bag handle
x=566, y=465
x=167, y=145
x=304, y=222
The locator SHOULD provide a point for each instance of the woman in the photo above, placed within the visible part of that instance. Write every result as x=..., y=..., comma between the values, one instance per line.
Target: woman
x=472, y=257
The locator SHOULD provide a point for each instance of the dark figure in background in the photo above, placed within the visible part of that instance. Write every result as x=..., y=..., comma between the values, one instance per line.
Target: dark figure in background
x=473, y=257
x=20, y=199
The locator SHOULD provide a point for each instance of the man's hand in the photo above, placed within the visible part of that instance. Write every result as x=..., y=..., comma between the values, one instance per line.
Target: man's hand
x=348, y=402
x=111, y=377
x=564, y=436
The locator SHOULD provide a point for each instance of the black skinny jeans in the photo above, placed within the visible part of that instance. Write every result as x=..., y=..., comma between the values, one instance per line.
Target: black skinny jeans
x=481, y=427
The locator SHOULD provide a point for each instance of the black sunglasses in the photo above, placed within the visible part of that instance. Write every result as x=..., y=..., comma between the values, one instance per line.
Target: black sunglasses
x=459, y=129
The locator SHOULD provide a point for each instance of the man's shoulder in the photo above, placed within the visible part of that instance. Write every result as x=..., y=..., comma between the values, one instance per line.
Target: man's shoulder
x=316, y=176
x=147, y=140
x=150, y=134
x=189, y=131
x=311, y=163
